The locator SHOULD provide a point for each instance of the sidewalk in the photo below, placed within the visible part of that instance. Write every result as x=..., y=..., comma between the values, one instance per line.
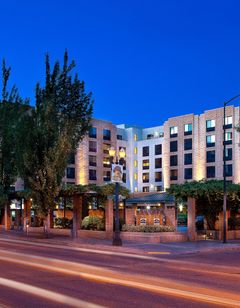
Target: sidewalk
x=161, y=249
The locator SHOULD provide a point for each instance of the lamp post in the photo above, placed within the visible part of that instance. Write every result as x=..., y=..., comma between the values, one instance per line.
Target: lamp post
x=224, y=171
x=118, y=162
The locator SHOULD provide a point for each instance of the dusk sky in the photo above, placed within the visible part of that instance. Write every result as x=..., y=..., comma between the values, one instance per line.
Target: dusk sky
x=144, y=61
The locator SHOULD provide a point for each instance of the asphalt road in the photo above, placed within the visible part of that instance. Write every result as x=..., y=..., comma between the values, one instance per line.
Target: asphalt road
x=45, y=275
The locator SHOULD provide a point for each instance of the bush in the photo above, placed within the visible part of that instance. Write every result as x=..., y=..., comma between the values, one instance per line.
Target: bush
x=148, y=228
x=63, y=223
x=93, y=223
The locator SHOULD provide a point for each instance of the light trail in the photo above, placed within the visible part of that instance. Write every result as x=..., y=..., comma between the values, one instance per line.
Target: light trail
x=46, y=294
x=150, y=284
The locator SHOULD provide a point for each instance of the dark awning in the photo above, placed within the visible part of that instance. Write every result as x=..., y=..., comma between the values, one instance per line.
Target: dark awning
x=154, y=198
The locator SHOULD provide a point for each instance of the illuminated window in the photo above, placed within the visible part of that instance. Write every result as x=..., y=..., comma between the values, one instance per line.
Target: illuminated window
x=135, y=150
x=135, y=163
x=135, y=137
x=135, y=176
x=135, y=189
x=145, y=164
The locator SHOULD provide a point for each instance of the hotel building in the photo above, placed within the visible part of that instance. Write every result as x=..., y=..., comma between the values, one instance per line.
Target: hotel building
x=184, y=148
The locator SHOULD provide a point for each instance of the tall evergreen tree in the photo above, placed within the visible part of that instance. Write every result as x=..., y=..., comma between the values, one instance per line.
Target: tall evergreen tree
x=12, y=107
x=52, y=131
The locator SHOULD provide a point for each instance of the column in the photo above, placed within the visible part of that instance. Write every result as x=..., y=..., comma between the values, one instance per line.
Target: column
x=77, y=214
x=191, y=204
x=7, y=217
x=109, y=217
x=27, y=213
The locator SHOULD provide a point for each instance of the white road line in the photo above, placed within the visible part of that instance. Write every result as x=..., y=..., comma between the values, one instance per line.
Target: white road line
x=154, y=285
x=46, y=294
x=95, y=251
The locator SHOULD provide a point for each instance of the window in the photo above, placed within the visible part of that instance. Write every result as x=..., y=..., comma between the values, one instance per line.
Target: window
x=188, y=173
x=145, y=177
x=145, y=151
x=228, y=122
x=71, y=159
x=210, y=156
x=158, y=149
x=106, y=162
x=158, y=176
x=145, y=164
x=135, y=150
x=150, y=136
x=93, y=132
x=228, y=170
x=210, y=125
x=188, y=159
x=210, y=172
x=145, y=189
x=92, y=160
x=124, y=177
x=106, y=148
x=187, y=144
x=161, y=134
x=158, y=163
x=106, y=176
x=135, y=176
x=158, y=188
x=210, y=140
x=119, y=137
x=228, y=154
x=92, y=175
x=173, y=131
x=135, y=163
x=135, y=137
x=173, y=146
x=173, y=175
x=92, y=146
x=173, y=160
x=106, y=134
x=228, y=138
x=135, y=189
x=70, y=173
x=187, y=129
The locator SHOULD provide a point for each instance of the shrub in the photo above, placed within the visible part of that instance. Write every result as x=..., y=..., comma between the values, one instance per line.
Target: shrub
x=234, y=223
x=63, y=223
x=93, y=223
x=148, y=228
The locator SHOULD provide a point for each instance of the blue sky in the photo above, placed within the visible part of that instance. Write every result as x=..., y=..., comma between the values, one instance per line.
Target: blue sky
x=144, y=60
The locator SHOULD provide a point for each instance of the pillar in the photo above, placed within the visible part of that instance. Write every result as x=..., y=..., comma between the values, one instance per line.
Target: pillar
x=26, y=213
x=220, y=224
x=170, y=213
x=191, y=204
x=77, y=214
x=109, y=217
x=7, y=217
x=130, y=215
x=50, y=219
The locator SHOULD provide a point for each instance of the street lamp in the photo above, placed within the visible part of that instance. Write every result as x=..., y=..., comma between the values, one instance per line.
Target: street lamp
x=224, y=171
x=117, y=164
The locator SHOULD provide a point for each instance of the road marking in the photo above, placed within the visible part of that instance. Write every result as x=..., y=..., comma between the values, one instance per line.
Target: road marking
x=46, y=294
x=147, y=283
x=88, y=250
x=159, y=252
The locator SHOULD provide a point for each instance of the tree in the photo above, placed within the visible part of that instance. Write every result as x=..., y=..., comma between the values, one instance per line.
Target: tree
x=52, y=131
x=12, y=108
x=209, y=197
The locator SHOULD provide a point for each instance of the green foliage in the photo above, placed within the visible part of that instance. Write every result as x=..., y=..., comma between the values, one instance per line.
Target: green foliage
x=52, y=131
x=93, y=223
x=63, y=223
x=209, y=196
x=12, y=108
x=148, y=228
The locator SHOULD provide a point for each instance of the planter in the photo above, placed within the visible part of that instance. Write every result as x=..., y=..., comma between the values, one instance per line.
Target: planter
x=156, y=237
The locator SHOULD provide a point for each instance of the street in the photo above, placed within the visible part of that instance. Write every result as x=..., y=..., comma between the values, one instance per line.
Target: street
x=45, y=274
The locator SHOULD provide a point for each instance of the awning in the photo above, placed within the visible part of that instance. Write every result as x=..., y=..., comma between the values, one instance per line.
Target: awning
x=154, y=198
